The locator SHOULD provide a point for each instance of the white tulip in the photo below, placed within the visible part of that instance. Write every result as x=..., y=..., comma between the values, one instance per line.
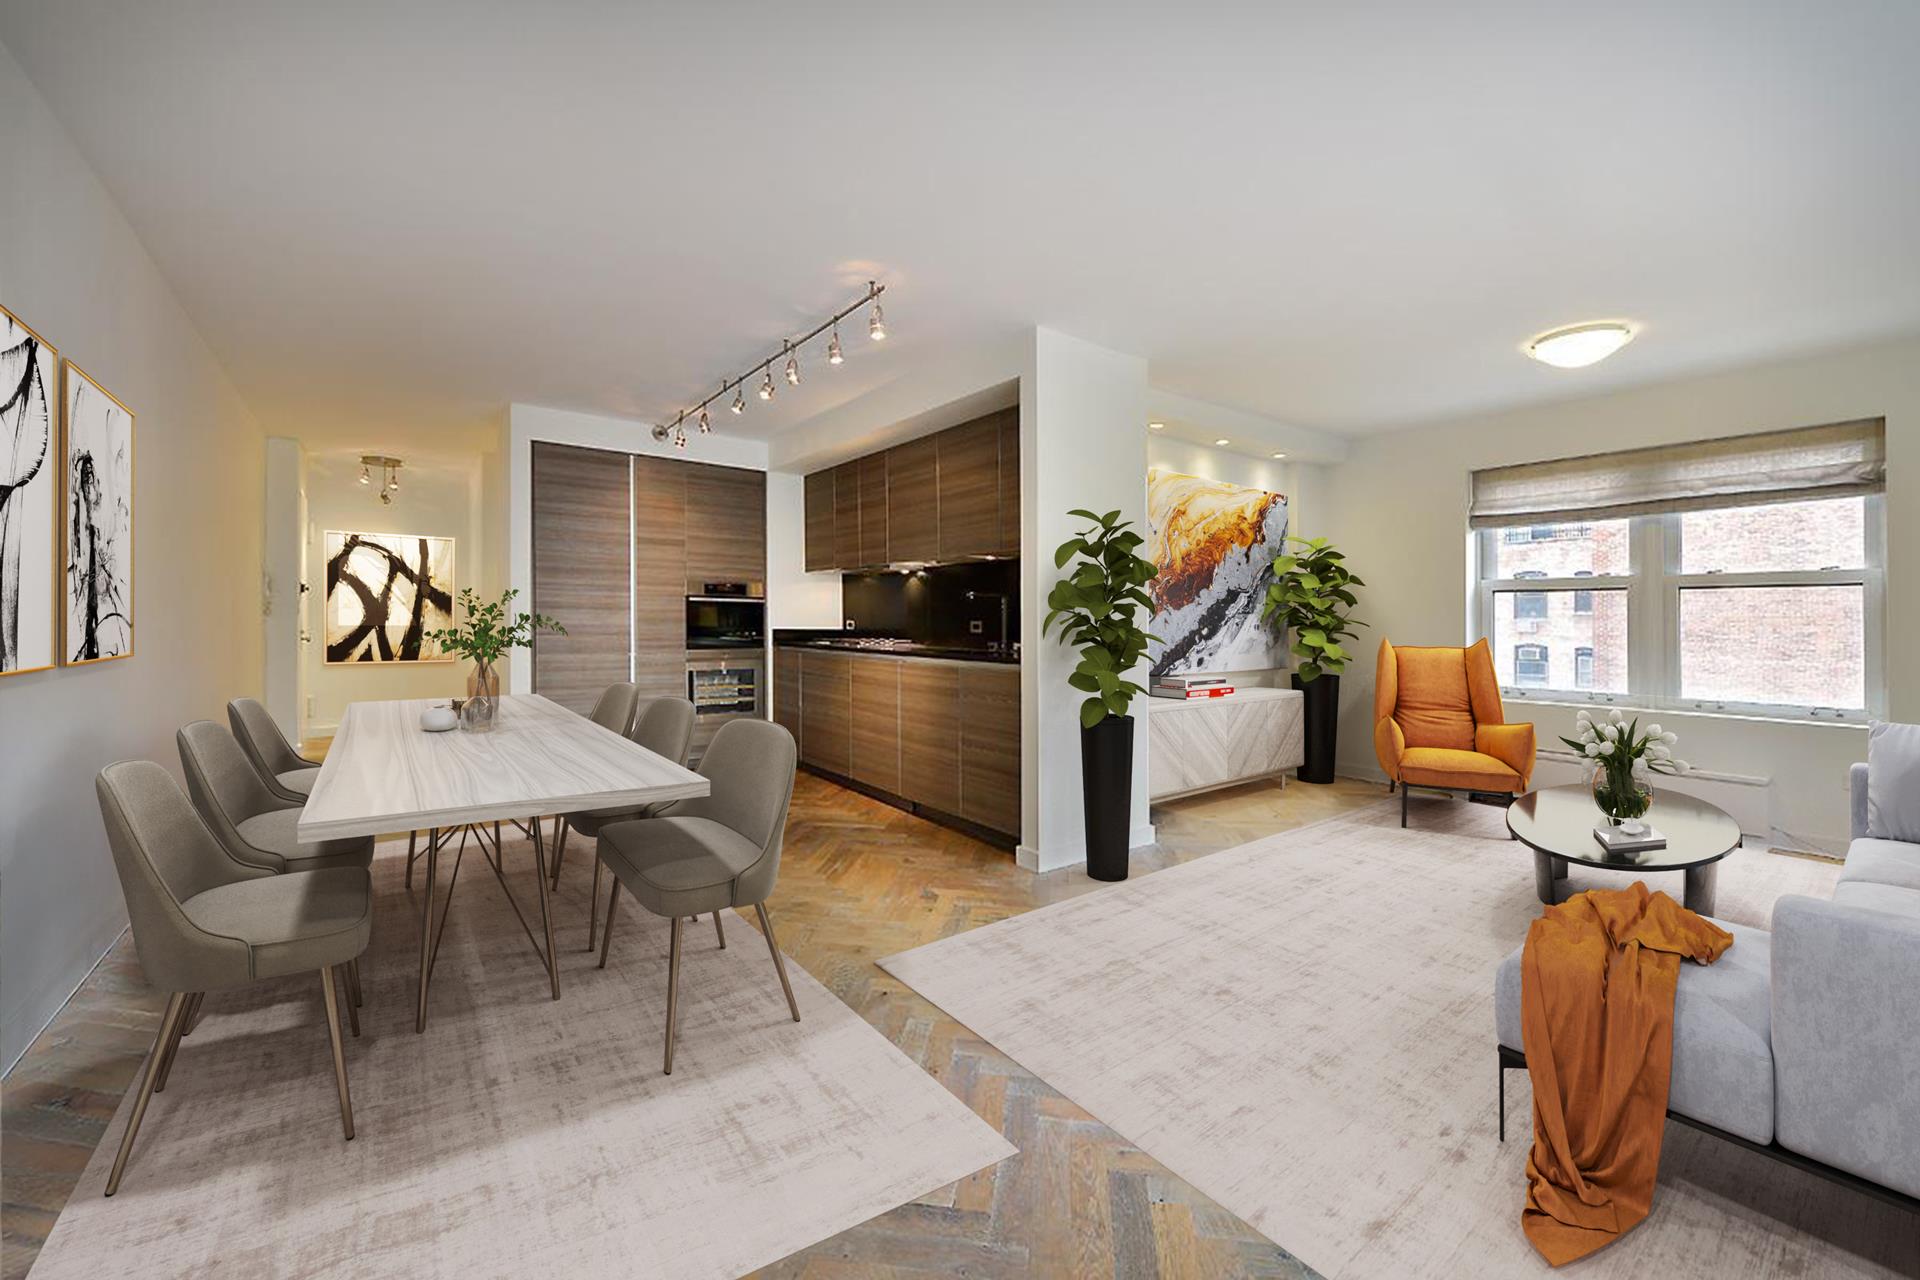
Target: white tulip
x=1657, y=752
x=1583, y=716
x=1606, y=748
x=1681, y=766
x=1669, y=738
x=1609, y=732
x=1641, y=768
x=1653, y=730
x=1593, y=748
x=1615, y=716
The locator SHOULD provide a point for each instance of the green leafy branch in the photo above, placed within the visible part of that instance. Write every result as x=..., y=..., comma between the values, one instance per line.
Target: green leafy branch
x=1095, y=605
x=1311, y=595
x=491, y=628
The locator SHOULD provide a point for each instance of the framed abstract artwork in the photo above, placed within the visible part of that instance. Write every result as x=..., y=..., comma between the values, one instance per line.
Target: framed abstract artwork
x=385, y=591
x=1214, y=543
x=29, y=496
x=96, y=524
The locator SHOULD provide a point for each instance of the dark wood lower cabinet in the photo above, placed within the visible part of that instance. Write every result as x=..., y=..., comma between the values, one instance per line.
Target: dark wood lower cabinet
x=786, y=693
x=990, y=746
x=930, y=734
x=826, y=711
x=876, y=722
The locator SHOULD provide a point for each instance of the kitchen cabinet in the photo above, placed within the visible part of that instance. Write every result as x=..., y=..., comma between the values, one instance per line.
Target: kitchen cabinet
x=876, y=722
x=969, y=487
x=990, y=746
x=728, y=506
x=873, y=510
x=846, y=515
x=1009, y=483
x=786, y=693
x=820, y=547
x=579, y=546
x=913, y=501
x=659, y=577
x=826, y=711
x=930, y=733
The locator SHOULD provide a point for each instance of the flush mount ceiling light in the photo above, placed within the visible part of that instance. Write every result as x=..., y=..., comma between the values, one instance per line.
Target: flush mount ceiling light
x=1279, y=455
x=1578, y=345
x=1223, y=442
x=1156, y=426
x=675, y=432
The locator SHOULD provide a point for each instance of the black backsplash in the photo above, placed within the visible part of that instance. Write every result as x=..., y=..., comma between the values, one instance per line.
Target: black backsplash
x=930, y=605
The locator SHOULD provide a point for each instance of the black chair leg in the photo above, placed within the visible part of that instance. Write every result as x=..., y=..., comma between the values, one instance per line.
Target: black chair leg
x=1403, y=804
x=1503, y=1102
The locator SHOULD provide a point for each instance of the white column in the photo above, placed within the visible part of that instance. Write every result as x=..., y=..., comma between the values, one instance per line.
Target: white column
x=1083, y=411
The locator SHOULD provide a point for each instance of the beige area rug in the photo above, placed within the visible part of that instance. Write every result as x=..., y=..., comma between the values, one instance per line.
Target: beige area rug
x=1302, y=1027
x=519, y=1136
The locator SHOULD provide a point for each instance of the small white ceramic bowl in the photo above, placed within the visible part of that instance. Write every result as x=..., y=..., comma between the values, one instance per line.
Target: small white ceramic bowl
x=438, y=719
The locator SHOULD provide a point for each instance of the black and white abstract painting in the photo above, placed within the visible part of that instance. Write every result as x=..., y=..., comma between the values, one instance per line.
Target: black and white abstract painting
x=96, y=524
x=385, y=591
x=29, y=488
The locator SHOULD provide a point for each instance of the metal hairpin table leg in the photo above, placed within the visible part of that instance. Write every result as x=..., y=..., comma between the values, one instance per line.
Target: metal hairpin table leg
x=426, y=927
x=546, y=914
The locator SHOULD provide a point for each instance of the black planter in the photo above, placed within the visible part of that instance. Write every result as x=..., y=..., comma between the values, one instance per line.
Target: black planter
x=1106, y=781
x=1323, y=726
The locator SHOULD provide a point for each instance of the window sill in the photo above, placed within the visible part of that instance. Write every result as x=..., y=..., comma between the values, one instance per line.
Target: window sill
x=1628, y=704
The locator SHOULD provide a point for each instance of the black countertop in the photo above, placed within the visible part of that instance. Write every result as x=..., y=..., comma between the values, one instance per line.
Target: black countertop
x=893, y=649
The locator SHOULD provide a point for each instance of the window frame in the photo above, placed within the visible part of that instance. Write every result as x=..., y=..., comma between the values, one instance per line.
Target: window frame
x=1653, y=583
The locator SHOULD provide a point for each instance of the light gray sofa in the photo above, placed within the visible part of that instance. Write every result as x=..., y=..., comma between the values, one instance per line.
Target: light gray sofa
x=1803, y=1042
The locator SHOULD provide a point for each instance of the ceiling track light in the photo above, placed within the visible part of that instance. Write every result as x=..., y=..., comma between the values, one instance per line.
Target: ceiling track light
x=789, y=360
x=389, y=475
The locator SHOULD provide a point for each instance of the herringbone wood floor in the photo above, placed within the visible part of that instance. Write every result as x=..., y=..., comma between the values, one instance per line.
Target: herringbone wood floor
x=859, y=881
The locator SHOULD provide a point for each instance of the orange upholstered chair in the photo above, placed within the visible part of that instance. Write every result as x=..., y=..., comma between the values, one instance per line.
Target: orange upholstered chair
x=1438, y=723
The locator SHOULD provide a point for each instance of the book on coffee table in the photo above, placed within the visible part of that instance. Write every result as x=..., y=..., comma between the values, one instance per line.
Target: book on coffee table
x=1614, y=840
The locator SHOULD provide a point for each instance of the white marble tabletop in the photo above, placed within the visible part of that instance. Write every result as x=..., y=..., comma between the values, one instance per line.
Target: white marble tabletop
x=384, y=773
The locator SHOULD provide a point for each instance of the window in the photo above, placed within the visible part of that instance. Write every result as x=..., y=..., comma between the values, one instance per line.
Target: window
x=1768, y=604
x=1530, y=665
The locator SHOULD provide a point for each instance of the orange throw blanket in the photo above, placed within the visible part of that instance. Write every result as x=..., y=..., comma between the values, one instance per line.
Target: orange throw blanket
x=1596, y=1017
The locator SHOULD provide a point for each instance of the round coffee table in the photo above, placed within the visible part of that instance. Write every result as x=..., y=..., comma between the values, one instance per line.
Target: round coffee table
x=1557, y=824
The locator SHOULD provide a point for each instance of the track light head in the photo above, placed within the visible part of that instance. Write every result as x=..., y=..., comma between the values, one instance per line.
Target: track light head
x=739, y=404
x=364, y=477
x=793, y=366
x=877, y=322
x=766, y=383
x=833, y=347
x=706, y=425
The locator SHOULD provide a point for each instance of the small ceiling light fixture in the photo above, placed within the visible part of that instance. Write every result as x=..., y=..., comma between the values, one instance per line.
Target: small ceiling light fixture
x=389, y=475
x=766, y=382
x=1578, y=345
x=706, y=426
x=793, y=366
x=364, y=477
x=877, y=321
x=1223, y=442
x=739, y=404
x=1279, y=455
x=833, y=346
x=1156, y=426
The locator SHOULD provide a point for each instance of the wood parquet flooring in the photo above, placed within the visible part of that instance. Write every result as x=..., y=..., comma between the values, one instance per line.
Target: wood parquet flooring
x=859, y=880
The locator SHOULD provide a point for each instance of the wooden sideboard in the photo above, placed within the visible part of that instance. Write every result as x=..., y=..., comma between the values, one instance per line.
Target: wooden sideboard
x=1216, y=742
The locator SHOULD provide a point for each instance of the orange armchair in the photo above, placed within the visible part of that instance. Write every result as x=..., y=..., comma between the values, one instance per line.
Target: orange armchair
x=1438, y=723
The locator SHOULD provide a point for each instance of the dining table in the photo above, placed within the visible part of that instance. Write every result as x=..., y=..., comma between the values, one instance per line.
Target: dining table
x=385, y=774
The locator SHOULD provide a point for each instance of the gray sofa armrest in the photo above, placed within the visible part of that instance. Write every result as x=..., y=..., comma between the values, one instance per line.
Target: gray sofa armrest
x=1846, y=1020
x=1857, y=793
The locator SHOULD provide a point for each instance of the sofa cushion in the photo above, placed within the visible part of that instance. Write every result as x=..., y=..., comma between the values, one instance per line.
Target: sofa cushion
x=1434, y=709
x=1891, y=898
x=1722, y=1034
x=1440, y=767
x=1883, y=862
x=1893, y=782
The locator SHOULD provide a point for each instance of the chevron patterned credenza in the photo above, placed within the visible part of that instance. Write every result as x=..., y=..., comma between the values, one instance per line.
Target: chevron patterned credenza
x=1215, y=742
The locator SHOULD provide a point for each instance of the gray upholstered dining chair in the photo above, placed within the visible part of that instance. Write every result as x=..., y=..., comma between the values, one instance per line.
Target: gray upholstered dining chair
x=256, y=826
x=205, y=922
x=663, y=726
x=712, y=852
x=286, y=773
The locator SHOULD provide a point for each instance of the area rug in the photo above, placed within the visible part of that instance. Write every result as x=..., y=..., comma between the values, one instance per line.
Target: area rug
x=520, y=1136
x=1302, y=1028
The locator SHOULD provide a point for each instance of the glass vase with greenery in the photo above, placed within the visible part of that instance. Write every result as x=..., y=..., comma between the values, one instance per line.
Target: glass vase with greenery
x=490, y=630
x=1624, y=760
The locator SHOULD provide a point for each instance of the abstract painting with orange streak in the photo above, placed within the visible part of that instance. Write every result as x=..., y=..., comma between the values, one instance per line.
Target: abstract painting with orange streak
x=1214, y=543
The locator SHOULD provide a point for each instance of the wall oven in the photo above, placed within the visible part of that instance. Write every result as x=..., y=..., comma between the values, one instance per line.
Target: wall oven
x=726, y=622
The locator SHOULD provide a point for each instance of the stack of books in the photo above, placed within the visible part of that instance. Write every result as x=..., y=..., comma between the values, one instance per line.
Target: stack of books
x=1617, y=841
x=1189, y=687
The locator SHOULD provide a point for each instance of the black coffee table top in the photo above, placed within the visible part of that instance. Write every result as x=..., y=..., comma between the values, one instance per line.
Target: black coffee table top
x=1560, y=821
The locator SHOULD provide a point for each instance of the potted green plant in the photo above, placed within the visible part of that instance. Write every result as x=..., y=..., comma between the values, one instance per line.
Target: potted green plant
x=491, y=629
x=1096, y=605
x=1311, y=595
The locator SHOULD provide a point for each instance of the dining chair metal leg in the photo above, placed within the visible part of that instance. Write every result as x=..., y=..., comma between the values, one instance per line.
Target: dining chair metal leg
x=606, y=936
x=673, y=988
x=412, y=839
x=561, y=830
x=426, y=928
x=766, y=927
x=172, y=1050
x=353, y=981
x=719, y=931
x=169, y=1022
x=191, y=1018
x=546, y=911
x=346, y=994
x=593, y=903
x=339, y=1051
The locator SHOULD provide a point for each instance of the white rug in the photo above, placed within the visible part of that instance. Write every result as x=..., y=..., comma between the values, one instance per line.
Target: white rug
x=1302, y=1028
x=519, y=1136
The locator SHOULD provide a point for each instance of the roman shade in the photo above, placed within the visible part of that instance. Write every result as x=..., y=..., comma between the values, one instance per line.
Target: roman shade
x=1838, y=460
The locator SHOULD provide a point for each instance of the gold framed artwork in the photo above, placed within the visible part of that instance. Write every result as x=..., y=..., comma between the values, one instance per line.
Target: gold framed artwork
x=385, y=592
x=29, y=497
x=96, y=523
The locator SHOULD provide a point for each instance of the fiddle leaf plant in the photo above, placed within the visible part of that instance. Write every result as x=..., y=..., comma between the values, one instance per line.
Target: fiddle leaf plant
x=492, y=628
x=1096, y=604
x=1312, y=596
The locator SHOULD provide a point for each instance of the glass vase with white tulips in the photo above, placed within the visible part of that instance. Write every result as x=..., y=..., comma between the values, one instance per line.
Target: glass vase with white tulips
x=1624, y=757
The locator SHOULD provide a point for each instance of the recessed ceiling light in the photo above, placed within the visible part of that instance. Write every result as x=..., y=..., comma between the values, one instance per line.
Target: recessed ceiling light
x=1156, y=426
x=1223, y=442
x=1579, y=345
x=1279, y=455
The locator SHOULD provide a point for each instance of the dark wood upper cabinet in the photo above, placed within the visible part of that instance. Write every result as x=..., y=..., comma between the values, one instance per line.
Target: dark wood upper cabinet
x=727, y=534
x=819, y=523
x=873, y=510
x=1010, y=482
x=990, y=746
x=913, y=501
x=846, y=515
x=969, y=460
x=660, y=576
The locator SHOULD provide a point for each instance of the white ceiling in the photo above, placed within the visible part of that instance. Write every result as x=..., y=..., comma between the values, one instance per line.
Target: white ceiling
x=391, y=220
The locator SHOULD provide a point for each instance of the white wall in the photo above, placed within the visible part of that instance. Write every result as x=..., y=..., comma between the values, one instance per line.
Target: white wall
x=795, y=598
x=71, y=267
x=439, y=499
x=1397, y=507
x=284, y=530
